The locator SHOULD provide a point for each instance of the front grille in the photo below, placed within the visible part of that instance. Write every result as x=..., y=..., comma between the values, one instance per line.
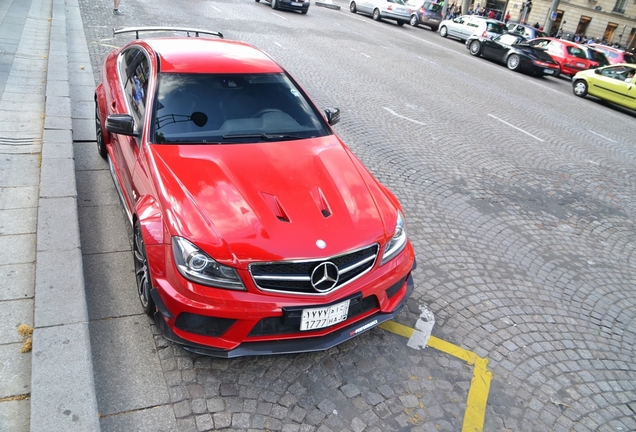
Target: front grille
x=295, y=276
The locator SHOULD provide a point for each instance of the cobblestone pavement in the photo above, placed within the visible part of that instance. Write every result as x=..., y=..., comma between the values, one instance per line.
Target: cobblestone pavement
x=520, y=203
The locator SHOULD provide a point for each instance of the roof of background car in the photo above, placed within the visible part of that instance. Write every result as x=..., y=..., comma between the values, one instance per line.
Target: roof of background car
x=206, y=55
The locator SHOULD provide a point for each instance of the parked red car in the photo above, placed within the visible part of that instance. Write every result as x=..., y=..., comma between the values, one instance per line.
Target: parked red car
x=256, y=230
x=571, y=57
x=614, y=55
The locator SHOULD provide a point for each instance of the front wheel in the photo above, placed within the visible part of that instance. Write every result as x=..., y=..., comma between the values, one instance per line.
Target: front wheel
x=580, y=88
x=142, y=272
x=274, y=4
x=99, y=134
x=475, y=48
x=376, y=14
x=443, y=31
x=400, y=23
x=352, y=7
x=513, y=62
x=258, y=1
x=413, y=20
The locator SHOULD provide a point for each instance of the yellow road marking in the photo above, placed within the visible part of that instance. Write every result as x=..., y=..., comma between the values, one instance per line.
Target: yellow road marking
x=479, y=385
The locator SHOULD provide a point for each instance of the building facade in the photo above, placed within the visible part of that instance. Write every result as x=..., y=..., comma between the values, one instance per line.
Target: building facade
x=611, y=21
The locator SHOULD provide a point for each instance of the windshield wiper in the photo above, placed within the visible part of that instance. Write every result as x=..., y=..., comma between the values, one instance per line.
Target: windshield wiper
x=264, y=136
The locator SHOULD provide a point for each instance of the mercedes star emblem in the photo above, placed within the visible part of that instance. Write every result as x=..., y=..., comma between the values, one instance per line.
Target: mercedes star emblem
x=325, y=277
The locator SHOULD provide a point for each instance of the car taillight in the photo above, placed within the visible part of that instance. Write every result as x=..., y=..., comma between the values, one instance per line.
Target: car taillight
x=390, y=7
x=421, y=10
x=484, y=35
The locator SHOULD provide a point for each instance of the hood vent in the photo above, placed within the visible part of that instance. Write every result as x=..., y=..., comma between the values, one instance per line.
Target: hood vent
x=321, y=202
x=276, y=207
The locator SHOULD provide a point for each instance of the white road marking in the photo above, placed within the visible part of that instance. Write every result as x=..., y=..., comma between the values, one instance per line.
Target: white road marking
x=277, y=44
x=423, y=328
x=405, y=118
x=215, y=8
x=427, y=61
x=279, y=16
x=515, y=127
x=366, y=55
x=593, y=163
x=604, y=137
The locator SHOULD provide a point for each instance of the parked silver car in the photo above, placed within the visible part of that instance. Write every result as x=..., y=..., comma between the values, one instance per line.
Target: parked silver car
x=426, y=13
x=390, y=9
x=465, y=26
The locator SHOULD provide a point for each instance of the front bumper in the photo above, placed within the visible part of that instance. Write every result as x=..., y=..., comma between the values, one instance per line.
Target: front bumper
x=283, y=346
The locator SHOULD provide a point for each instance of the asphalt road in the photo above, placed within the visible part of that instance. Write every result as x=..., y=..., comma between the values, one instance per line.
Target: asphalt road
x=519, y=199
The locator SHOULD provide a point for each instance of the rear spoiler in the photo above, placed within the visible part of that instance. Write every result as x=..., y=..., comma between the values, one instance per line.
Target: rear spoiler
x=188, y=31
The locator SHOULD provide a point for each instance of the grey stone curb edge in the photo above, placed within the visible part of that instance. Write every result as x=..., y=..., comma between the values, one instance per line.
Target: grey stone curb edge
x=62, y=385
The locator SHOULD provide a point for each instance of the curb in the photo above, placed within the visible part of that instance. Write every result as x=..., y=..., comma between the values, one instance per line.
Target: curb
x=62, y=386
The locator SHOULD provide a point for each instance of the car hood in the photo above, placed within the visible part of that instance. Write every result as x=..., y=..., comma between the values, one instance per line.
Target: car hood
x=271, y=201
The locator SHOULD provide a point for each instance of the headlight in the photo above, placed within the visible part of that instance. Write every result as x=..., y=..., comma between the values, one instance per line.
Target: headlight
x=397, y=242
x=197, y=266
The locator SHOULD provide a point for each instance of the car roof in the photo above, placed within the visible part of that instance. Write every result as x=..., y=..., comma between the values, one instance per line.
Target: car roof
x=206, y=55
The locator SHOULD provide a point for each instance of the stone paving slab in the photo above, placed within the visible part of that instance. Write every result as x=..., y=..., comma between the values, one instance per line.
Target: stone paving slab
x=126, y=343
x=18, y=197
x=110, y=292
x=154, y=419
x=19, y=281
x=15, y=369
x=18, y=221
x=14, y=416
x=16, y=249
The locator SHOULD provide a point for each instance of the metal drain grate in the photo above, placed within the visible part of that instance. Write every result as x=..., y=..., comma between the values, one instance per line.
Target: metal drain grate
x=20, y=141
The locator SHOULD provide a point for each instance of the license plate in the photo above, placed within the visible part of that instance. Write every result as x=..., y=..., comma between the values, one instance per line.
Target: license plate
x=580, y=65
x=316, y=318
x=296, y=4
x=548, y=71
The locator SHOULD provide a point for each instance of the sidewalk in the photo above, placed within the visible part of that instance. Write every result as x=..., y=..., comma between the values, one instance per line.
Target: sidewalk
x=42, y=50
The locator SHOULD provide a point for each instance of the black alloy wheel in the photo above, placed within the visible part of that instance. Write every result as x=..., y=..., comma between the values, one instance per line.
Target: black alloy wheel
x=142, y=272
x=352, y=7
x=99, y=134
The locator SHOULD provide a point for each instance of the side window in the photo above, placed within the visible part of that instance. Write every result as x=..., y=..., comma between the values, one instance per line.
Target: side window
x=135, y=70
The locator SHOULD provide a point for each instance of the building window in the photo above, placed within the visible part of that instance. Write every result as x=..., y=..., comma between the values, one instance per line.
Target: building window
x=619, y=6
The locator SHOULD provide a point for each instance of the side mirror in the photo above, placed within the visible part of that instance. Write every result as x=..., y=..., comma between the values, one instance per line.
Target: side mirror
x=597, y=72
x=122, y=124
x=333, y=115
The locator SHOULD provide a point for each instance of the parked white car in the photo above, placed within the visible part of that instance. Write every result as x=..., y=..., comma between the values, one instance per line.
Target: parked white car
x=465, y=26
x=379, y=9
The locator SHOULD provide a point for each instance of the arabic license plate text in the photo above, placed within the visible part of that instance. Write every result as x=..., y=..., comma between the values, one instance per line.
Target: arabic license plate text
x=316, y=318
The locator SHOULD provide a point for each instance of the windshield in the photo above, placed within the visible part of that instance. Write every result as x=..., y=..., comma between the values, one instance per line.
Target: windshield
x=433, y=7
x=235, y=108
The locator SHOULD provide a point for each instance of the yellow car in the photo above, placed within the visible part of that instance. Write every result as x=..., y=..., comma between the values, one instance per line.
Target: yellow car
x=614, y=83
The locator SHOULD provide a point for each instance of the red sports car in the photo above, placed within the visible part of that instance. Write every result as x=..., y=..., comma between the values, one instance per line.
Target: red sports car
x=256, y=230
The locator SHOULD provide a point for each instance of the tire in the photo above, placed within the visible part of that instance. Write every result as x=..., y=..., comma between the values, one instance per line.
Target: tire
x=443, y=31
x=400, y=23
x=376, y=14
x=142, y=272
x=352, y=7
x=580, y=88
x=513, y=62
x=413, y=21
x=274, y=4
x=434, y=29
x=475, y=48
x=258, y=1
x=99, y=134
